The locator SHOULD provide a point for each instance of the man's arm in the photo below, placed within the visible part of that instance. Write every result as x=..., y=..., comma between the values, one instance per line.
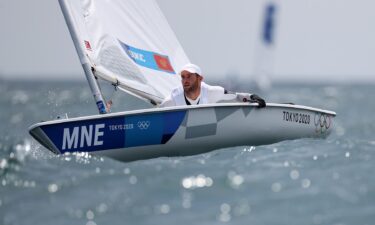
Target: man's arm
x=222, y=95
x=242, y=97
x=168, y=102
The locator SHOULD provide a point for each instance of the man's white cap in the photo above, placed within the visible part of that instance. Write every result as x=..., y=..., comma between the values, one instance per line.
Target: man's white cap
x=192, y=68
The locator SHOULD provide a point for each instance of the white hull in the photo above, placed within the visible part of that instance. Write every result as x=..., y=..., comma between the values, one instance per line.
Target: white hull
x=181, y=131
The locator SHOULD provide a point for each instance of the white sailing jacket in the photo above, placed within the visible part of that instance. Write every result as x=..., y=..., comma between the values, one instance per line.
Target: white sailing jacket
x=209, y=94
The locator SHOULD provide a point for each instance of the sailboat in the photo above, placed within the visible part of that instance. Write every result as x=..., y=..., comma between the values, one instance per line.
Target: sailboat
x=264, y=54
x=129, y=43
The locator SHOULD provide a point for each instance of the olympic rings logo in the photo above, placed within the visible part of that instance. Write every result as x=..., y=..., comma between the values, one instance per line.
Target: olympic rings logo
x=322, y=122
x=143, y=125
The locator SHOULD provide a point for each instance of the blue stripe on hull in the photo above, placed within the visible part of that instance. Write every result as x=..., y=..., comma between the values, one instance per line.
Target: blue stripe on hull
x=116, y=132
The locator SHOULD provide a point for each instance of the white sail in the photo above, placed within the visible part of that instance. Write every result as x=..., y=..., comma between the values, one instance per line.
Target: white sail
x=129, y=42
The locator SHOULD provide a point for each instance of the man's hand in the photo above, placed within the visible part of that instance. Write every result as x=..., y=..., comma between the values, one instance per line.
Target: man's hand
x=259, y=100
x=109, y=105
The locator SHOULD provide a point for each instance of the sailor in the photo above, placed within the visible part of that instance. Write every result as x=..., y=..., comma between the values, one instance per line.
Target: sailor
x=194, y=91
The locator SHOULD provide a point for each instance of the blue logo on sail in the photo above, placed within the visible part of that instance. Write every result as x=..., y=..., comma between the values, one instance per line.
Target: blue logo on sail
x=149, y=59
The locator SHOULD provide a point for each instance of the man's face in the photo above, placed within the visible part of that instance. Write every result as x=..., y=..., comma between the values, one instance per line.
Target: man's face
x=190, y=81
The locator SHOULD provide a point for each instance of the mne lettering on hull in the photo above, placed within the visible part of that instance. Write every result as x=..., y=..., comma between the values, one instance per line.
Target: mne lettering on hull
x=115, y=132
x=84, y=135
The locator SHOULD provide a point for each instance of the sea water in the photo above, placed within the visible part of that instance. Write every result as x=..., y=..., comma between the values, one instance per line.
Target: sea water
x=306, y=181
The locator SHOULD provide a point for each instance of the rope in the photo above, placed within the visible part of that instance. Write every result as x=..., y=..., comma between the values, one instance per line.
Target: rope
x=110, y=102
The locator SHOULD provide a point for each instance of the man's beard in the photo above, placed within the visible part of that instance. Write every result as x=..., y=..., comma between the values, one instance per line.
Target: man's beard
x=193, y=88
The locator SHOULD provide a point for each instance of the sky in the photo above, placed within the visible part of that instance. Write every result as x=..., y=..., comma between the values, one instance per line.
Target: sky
x=317, y=40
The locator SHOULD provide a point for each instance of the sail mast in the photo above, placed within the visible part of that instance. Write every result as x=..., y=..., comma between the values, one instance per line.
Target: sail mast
x=86, y=65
